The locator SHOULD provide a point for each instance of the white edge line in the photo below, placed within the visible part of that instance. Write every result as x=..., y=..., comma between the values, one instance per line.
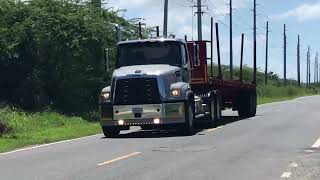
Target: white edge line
x=213, y=129
x=316, y=144
x=49, y=144
x=119, y=158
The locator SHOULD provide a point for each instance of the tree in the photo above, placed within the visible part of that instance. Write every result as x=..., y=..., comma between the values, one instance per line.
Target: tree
x=52, y=53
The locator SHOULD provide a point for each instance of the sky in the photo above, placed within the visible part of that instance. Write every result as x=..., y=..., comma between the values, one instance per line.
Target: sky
x=300, y=16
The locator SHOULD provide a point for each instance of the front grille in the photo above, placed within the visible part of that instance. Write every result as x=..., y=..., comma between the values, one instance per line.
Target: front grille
x=137, y=91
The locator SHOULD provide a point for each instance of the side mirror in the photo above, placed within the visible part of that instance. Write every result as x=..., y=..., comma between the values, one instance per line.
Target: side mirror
x=106, y=59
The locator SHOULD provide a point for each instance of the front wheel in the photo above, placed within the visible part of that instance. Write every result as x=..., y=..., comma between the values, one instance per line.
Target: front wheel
x=110, y=132
x=187, y=127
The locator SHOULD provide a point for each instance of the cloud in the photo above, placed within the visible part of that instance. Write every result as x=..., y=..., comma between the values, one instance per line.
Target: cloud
x=181, y=20
x=302, y=13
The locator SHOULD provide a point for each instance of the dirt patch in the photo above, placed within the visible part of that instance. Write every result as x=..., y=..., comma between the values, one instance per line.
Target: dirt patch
x=4, y=129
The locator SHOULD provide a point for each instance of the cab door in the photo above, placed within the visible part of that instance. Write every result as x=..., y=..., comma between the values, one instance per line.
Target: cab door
x=186, y=67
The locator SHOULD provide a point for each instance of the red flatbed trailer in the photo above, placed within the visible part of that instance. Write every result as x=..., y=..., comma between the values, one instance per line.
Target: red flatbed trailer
x=235, y=94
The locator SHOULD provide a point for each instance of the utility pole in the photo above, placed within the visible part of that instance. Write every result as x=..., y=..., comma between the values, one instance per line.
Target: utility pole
x=308, y=67
x=315, y=70
x=267, y=44
x=254, y=42
x=231, y=43
x=317, y=67
x=199, y=6
x=284, y=56
x=307, y=76
x=298, y=61
x=165, y=23
x=318, y=71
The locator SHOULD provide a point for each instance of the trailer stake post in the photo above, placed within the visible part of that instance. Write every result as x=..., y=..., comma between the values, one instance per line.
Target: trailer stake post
x=211, y=67
x=218, y=51
x=140, y=30
x=158, y=34
x=241, y=58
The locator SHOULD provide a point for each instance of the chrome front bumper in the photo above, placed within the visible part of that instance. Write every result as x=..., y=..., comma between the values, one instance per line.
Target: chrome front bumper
x=135, y=115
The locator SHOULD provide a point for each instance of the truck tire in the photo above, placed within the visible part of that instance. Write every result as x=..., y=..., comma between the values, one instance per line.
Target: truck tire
x=215, y=110
x=187, y=128
x=253, y=104
x=218, y=110
x=110, y=132
x=247, y=106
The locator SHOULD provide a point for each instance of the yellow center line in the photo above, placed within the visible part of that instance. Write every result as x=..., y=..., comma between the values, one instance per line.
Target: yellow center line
x=213, y=129
x=119, y=158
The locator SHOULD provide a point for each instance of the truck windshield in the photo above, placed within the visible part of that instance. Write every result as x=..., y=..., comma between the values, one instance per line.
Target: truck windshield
x=143, y=53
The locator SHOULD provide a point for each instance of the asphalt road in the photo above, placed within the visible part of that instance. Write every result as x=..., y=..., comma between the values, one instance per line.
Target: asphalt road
x=277, y=144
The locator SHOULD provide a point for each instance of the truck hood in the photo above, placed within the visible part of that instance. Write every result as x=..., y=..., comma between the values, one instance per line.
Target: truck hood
x=154, y=69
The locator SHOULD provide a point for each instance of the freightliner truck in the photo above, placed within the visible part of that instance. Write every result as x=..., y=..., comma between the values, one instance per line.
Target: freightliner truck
x=164, y=83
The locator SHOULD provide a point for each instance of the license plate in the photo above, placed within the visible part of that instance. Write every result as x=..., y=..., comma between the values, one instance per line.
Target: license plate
x=137, y=110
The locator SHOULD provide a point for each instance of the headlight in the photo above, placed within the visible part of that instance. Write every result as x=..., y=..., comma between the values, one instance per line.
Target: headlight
x=104, y=96
x=175, y=92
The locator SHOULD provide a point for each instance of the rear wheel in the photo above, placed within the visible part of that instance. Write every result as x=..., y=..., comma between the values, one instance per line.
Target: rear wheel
x=110, y=132
x=215, y=110
x=218, y=111
x=247, y=106
x=254, y=105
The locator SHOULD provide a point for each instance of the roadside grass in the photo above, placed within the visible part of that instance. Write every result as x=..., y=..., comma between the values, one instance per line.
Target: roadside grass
x=271, y=93
x=19, y=129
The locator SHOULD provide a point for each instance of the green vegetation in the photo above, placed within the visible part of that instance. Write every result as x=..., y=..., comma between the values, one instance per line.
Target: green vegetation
x=19, y=129
x=52, y=53
x=270, y=93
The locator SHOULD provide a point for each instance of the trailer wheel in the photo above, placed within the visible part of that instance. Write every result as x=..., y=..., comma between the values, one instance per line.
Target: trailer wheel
x=110, y=132
x=253, y=105
x=188, y=128
x=247, y=106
